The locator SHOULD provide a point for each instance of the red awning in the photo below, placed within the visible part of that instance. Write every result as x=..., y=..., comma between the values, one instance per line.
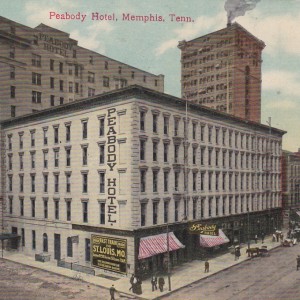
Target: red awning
x=156, y=244
x=212, y=241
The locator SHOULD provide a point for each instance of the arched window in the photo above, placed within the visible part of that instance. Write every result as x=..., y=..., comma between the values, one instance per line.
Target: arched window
x=69, y=247
x=45, y=242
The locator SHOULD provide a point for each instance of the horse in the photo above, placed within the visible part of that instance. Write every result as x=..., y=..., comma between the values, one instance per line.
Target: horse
x=252, y=251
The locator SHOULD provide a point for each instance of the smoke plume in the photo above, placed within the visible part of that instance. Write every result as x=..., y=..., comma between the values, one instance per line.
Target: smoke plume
x=236, y=8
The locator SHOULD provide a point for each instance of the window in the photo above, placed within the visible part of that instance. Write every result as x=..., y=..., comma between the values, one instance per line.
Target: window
x=12, y=72
x=21, y=206
x=12, y=92
x=91, y=92
x=84, y=156
x=10, y=183
x=155, y=151
x=36, y=78
x=155, y=117
x=101, y=126
x=155, y=179
x=202, y=155
x=143, y=180
x=12, y=52
x=74, y=54
x=32, y=154
x=142, y=120
x=84, y=130
x=56, y=209
x=76, y=70
x=143, y=213
x=194, y=155
x=166, y=181
x=61, y=68
x=144, y=78
x=217, y=136
x=142, y=149
x=76, y=87
x=91, y=60
x=102, y=213
x=61, y=85
x=120, y=70
x=45, y=137
x=33, y=208
x=202, y=128
x=209, y=134
x=176, y=211
x=55, y=134
x=132, y=74
x=36, y=97
x=84, y=183
x=45, y=154
x=85, y=211
x=32, y=138
x=51, y=65
x=91, y=77
x=166, y=211
x=176, y=153
x=56, y=158
x=209, y=156
x=176, y=181
x=166, y=125
x=210, y=181
x=12, y=111
x=45, y=242
x=45, y=183
x=68, y=183
x=68, y=210
x=68, y=132
x=52, y=100
x=155, y=212
x=32, y=183
x=194, y=131
x=56, y=183
x=23, y=237
x=106, y=65
x=45, y=209
x=166, y=150
x=21, y=161
x=217, y=181
x=68, y=157
x=69, y=247
x=101, y=154
x=10, y=161
x=70, y=87
x=21, y=177
x=176, y=127
x=10, y=199
x=101, y=182
x=33, y=240
x=194, y=182
x=36, y=60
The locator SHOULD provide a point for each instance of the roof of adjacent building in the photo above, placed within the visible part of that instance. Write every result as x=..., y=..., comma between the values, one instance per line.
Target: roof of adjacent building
x=140, y=93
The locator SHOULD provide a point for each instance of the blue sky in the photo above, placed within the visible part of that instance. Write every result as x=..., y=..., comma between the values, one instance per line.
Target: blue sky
x=152, y=46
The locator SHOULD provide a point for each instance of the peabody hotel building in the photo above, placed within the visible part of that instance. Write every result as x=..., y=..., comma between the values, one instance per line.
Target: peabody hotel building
x=104, y=180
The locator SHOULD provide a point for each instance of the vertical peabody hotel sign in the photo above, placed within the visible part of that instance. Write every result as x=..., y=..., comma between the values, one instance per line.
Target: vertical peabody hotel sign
x=110, y=253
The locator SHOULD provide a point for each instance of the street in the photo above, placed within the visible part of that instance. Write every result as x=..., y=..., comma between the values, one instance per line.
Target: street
x=19, y=282
x=274, y=277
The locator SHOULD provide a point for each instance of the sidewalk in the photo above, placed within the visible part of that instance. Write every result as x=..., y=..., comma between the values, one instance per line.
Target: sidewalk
x=181, y=276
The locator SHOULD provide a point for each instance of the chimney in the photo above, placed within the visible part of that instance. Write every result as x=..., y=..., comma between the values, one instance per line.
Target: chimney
x=228, y=22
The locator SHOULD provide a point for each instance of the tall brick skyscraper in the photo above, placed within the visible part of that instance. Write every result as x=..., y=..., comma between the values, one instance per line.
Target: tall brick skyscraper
x=222, y=70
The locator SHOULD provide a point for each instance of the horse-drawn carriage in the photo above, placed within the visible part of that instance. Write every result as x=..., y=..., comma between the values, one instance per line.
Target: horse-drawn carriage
x=253, y=252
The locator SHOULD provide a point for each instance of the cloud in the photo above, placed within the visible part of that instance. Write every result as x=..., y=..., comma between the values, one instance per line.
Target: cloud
x=283, y=82
x=188, y=31
x=279, y=32
x=92, y=36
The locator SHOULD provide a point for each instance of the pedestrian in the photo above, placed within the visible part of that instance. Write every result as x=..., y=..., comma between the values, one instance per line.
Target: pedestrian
x=298, y=262
x=255, y=238
x=131, y=282
x=138, y=286
x=154, y=283
x=281, y=237
x=161, y=283
x=112, y=292
x=134, y=284
x=206, y=266
x=273, y=237
x=262, y=237
x=237, y=253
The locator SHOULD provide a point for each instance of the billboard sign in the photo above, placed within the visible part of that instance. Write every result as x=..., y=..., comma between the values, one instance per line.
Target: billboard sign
x=204, y=229
x=109, y=253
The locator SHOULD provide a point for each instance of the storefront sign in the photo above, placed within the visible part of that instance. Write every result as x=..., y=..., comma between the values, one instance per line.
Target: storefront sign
x=109, y=253
x=205, y=229
x=111, y=163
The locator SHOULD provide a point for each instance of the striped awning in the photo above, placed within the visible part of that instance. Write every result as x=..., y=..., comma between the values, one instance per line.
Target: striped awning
x=156, y=244
x=209, y=241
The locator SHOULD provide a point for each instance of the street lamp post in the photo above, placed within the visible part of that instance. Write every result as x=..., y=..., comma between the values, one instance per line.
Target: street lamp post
x=248, y=229
x=168, y=255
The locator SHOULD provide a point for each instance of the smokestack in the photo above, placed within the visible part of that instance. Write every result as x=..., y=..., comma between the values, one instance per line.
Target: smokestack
x=236, y=8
